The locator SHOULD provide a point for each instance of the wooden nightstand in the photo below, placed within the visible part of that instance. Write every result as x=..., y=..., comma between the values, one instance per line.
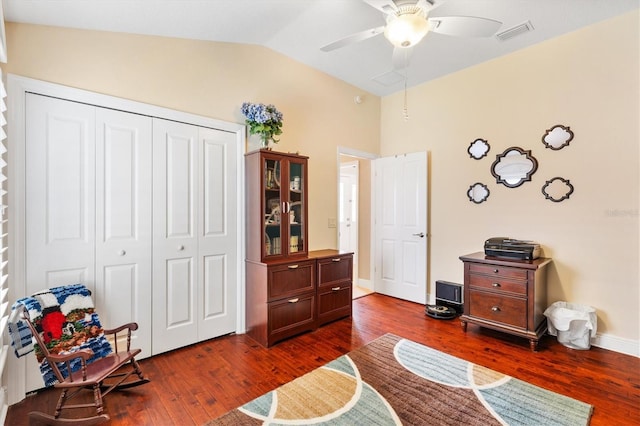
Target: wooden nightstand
x=506, y=295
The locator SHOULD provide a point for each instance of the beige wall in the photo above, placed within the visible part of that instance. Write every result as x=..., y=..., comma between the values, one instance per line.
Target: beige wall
x=588, y=80
x=212, y=79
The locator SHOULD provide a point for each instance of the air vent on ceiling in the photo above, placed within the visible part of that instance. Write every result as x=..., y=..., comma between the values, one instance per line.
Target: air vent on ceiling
x=514, y=31
x=389, y=78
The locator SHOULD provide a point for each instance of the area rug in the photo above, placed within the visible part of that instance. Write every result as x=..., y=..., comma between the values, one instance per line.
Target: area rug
x=393, y=381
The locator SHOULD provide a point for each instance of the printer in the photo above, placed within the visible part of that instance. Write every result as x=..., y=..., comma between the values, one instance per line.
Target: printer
x=512, y=249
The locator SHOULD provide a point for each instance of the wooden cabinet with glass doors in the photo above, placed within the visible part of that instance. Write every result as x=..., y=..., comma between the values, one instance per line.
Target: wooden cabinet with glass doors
x=276, y=205
x=289, y=289
x=281, y=288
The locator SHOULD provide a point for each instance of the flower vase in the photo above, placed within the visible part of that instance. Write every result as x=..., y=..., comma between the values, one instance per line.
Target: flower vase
x=264, y=142
x=256, y=142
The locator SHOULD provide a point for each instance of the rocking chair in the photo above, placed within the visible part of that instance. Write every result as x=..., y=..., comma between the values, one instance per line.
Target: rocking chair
x=75, y=353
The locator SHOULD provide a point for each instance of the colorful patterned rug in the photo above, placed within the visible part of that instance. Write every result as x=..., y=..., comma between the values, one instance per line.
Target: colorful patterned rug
x=393, y=381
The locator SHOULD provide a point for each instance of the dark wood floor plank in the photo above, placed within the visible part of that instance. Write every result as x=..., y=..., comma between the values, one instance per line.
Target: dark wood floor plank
x=195, y=384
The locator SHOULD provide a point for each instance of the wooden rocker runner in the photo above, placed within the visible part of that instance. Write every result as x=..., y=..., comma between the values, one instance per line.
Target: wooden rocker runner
x=74, y=352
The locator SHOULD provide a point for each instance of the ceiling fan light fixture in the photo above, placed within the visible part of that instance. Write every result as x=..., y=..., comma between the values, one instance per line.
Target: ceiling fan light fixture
x=406, y=30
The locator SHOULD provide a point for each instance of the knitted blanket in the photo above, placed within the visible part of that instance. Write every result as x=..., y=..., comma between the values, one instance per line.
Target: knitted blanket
x=64, y=318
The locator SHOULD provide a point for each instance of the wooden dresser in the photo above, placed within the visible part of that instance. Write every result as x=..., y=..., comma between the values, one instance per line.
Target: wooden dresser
x=285, y=298
x=506, y=295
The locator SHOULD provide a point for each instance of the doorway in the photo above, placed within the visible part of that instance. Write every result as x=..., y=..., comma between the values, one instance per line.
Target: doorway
x=354, y=214
x=348, y=211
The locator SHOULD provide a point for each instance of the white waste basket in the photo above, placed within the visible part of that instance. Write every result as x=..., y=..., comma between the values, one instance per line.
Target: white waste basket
x=574, y=324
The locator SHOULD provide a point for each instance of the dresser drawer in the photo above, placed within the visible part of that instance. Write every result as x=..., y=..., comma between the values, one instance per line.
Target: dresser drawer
x=497, y=308
x=498, y=284
x=334, y=302
x=335, y=269
x=498, y=271
x=290, y=316
x=289, y=279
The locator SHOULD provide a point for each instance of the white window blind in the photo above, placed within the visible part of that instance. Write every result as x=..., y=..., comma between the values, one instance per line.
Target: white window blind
x=4, y=282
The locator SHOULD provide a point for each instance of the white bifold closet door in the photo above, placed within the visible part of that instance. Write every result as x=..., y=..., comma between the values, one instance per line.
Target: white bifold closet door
x=194, y=237
x=60, y=193
x=142, y=211
x=123, y=229
x=88, y=209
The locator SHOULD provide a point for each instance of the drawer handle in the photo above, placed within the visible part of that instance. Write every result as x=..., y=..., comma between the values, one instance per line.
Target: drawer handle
x=496, y=309
x=496, y=271
x=496, y=284
x=293, y=266
x=337, y=259
x=293, y=300
x=335, y=288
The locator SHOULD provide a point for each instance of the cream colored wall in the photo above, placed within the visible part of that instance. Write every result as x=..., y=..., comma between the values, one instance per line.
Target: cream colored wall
x=588, y=80
x=212, y=79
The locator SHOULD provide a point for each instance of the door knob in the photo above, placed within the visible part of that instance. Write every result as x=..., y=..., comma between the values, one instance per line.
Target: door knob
x=419, y=234
x=180, y=247
x=122, y=252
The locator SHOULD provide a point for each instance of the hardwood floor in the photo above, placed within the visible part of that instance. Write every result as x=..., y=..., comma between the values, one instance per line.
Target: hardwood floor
x=200, y=382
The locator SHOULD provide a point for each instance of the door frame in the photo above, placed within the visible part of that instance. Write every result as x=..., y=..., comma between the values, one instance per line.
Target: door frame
x=349, y=166
x=17, y=88
x=350, y=152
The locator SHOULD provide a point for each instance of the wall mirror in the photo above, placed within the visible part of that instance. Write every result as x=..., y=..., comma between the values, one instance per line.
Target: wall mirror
x=514, y=167
x=557, y=189
x=478, y=148
x=478, y=193
x=557, y=137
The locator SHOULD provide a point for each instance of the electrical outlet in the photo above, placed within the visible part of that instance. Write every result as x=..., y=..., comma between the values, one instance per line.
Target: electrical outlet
x=332, y=222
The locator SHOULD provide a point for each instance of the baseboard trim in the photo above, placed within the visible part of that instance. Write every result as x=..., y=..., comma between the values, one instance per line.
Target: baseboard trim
x=617, y=344
x=365, y=284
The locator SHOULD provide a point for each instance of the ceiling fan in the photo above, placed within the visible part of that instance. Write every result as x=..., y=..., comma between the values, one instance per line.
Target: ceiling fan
x=408, y=21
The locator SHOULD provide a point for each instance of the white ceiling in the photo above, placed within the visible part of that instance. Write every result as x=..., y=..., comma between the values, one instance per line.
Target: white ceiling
x=298, y=28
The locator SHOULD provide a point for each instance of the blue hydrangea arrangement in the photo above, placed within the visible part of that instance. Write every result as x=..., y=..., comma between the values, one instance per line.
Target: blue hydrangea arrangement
x=263, y=120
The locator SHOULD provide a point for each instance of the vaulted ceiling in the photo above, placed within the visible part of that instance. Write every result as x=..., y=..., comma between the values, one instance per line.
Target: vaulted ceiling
x=299, y=28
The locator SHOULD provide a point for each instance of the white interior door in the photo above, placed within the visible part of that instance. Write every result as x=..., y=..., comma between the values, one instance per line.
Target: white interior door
x=348, y=215
x=195, y=240
x=60, y=182
x=401, y=226
x=217, y=234
x=60, y=199
x=175, y=243
x=123, y=222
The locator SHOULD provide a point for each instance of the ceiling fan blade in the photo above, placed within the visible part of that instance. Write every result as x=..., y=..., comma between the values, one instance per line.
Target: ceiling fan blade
x=464, y=26
x=401, y=57
x=353, y=38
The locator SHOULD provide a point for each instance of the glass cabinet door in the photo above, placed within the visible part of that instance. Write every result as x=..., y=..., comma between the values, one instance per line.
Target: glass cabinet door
x=296, y=210
x=272, y=207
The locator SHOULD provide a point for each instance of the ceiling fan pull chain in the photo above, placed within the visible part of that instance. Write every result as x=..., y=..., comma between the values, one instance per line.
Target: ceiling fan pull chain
x=405, y=110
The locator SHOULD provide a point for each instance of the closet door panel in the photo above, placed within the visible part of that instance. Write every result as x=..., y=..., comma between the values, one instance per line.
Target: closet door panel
x=123, y=221
x=59, y=197
x=217, y=233
x=175, y=244
x=60, y=181
x=179, y=309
